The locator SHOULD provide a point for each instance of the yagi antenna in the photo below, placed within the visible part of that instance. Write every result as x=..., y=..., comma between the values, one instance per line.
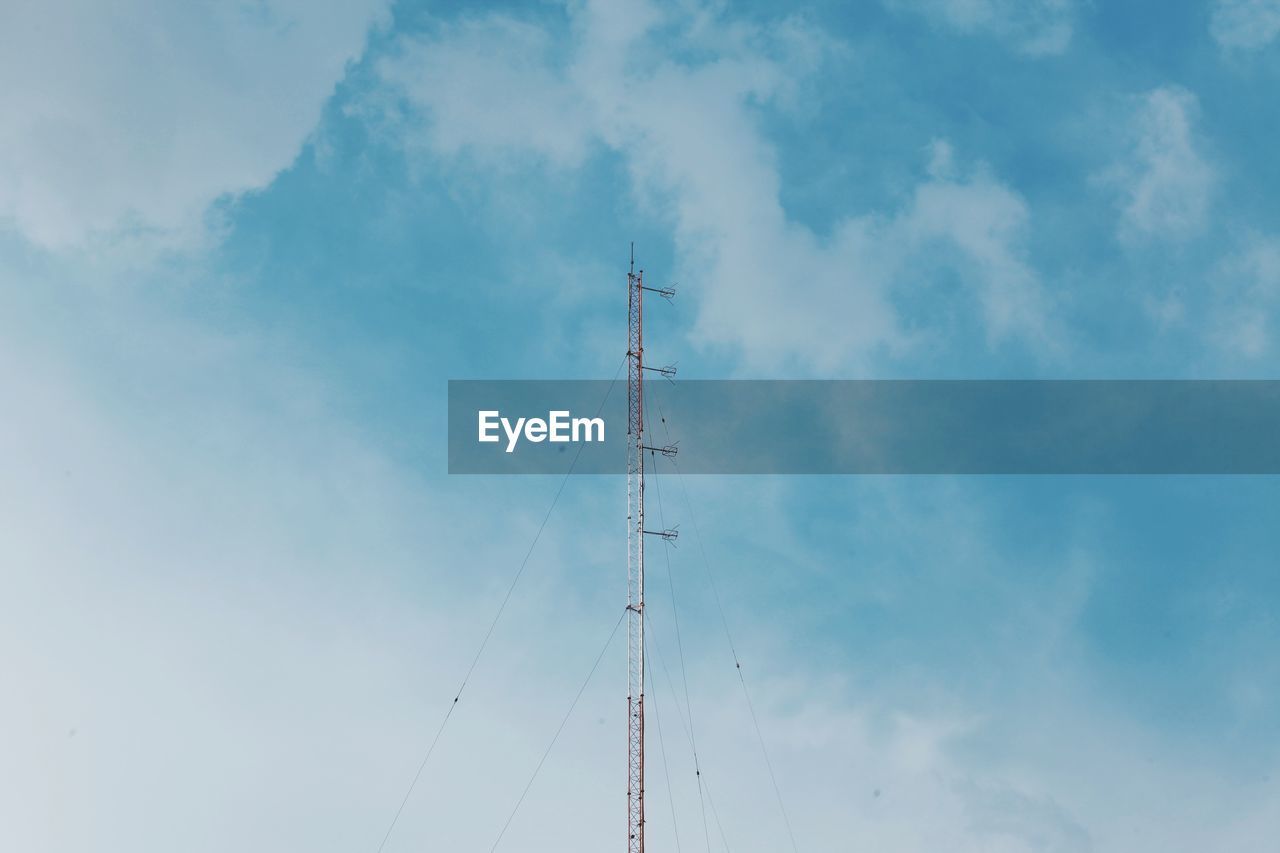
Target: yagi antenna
x=671, y=534
x=669, y=450
x=668, y=372
x=668, y=293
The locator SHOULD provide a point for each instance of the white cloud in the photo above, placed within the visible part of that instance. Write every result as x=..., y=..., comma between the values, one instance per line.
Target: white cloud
x=133, y=117
x=1247, y=293
x=1033, y=27
x=519, y=90
x=769, y=287
x=987, y=222
x=226, y=616
x=1164, y=180
x=1245, y=24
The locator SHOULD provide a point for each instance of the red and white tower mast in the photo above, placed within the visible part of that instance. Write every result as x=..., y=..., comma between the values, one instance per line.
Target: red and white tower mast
x=635, y=558
x=636, y=533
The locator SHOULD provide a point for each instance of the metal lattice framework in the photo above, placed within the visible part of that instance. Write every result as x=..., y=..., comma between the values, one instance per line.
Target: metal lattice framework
x=635, y=561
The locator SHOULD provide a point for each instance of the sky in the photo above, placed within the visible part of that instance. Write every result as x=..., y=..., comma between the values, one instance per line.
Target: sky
x=243, y=247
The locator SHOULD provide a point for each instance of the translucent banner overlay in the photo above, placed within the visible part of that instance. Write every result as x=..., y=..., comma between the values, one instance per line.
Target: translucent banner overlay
x=871, y=426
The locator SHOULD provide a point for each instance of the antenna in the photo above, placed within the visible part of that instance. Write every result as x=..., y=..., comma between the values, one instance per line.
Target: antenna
x=668, y=293
x=668, y=451
x=636, y=533
x=668, y=372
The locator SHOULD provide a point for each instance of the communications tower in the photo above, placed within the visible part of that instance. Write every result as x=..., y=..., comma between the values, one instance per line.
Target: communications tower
x=636, y=533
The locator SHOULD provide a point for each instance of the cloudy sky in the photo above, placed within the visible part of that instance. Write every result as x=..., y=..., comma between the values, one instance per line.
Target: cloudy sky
x=244, y=245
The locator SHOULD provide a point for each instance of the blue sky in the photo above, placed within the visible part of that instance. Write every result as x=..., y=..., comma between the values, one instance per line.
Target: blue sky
x=243, y=247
